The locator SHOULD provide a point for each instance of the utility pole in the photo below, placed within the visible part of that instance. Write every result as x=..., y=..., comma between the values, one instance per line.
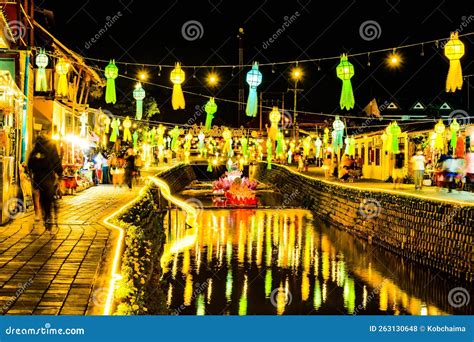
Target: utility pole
x=240, y=106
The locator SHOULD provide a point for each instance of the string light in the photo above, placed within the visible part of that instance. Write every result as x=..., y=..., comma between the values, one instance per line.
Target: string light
x=422, y=53
x=435, y=41
x=212, y=79
x=394, y=60
x=143, y=75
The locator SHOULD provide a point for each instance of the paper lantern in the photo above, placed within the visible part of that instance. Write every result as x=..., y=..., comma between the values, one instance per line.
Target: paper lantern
x=160, y=132
x=318, y=143
x=345, y=70
x=326, y=137
x=135, y=139
x=210, y=108
x=62, y=68
x=275, y=118
x=111, y=73
x=177, y=77
x=107, y=124
x=244, y=145
x=352, y=143
x=254, y=79
x=454, y=128
x=269, y=154
x=388, y=140
x=115, y=124
x=439, y=140
x=174, y=134
x=41, y=62
x=395, y=131
x=227, y=148
x=139, y=95
x=454, y=50
x=127, y=135
x=338, y=127
x=202, y=145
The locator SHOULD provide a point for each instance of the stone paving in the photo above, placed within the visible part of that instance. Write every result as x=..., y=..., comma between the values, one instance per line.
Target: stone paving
x=60, y=272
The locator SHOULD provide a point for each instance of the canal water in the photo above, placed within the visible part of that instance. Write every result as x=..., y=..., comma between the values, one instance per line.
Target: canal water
x=286, y=262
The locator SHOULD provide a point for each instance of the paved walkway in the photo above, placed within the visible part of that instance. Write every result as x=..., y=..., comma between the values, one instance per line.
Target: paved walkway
x=430, y=193
x=61, y=272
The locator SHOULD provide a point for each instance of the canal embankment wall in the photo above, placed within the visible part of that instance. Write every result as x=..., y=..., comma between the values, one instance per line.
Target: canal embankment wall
x=433, y=233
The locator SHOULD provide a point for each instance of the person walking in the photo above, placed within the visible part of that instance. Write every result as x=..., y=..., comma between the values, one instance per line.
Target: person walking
x=397, y=173
x=418, y=161
x=129, y=167
x=45, y=165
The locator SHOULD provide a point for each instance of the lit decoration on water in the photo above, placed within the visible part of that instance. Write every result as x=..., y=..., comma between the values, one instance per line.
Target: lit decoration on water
x=177, y=77
x=254, y=79
x=41, y=60
x=454, y=50
x=62, y=69
x=139, y=95
x=345, y=71
x=111, y=73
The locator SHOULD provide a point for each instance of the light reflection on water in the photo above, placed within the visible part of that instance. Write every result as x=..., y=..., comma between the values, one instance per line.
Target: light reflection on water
x=243, y=262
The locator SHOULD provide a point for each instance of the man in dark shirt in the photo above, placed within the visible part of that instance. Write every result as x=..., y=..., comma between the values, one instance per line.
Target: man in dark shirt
x=129, y=167
x=45, y=165
x=397, y=173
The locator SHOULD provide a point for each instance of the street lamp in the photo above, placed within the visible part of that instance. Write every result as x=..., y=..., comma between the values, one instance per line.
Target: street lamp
x=296, y=75
x=212, y=79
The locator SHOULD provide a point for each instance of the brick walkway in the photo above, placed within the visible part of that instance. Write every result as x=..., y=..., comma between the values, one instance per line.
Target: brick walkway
x=55, y=273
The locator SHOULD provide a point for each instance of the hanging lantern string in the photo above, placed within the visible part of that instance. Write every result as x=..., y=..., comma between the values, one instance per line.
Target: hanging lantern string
x=269, y=108
x=309, y=60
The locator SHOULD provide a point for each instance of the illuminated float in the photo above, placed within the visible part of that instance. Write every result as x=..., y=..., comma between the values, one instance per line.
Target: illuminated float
x=237, y=190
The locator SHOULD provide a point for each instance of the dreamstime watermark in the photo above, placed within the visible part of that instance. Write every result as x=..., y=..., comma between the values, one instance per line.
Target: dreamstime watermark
x=196, y=204
x=14, y=31
x=192, y=30
x=21, y=288
x=198, y=289
x=108, y=24
x=458, y=297
x=461, y=116
x=286, y=120
x=46, y=330
x=280, y=295
x=99, y=296
x=199, y=111
x=370, y=30
x=288, y=199
x=370, y=297
x=369, y=208
x=14, y=208
x=288, y=20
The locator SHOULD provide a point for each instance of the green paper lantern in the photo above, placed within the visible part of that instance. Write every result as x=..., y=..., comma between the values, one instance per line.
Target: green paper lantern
x=211, y=109
x=139, y=95
x=345, y=71
x=254, y=79
x=41, y=62
x=111, y=73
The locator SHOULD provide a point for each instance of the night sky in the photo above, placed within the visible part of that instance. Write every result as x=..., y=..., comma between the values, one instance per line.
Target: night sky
x=152, y=34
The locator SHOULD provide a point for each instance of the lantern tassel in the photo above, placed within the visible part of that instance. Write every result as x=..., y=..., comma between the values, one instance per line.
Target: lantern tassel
x=252, y=103
x=110, y=96
x=454, y=79
x=177, y=100
x=41, y=84
x=209, y=118
x=62, y=85
x=347, y=96
x=139, y=112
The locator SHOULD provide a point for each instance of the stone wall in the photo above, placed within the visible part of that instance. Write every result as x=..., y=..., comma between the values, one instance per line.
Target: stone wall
x=178, y=177
x=438, y=235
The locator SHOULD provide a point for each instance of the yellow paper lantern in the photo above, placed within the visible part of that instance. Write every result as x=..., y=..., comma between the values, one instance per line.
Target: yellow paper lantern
x=177, y=77
x=454, y=50
x=62, y=69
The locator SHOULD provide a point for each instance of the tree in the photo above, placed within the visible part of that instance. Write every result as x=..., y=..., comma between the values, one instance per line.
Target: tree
x=150, y=107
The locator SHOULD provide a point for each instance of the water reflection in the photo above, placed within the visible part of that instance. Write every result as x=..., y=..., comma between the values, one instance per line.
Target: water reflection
x=243, y=262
